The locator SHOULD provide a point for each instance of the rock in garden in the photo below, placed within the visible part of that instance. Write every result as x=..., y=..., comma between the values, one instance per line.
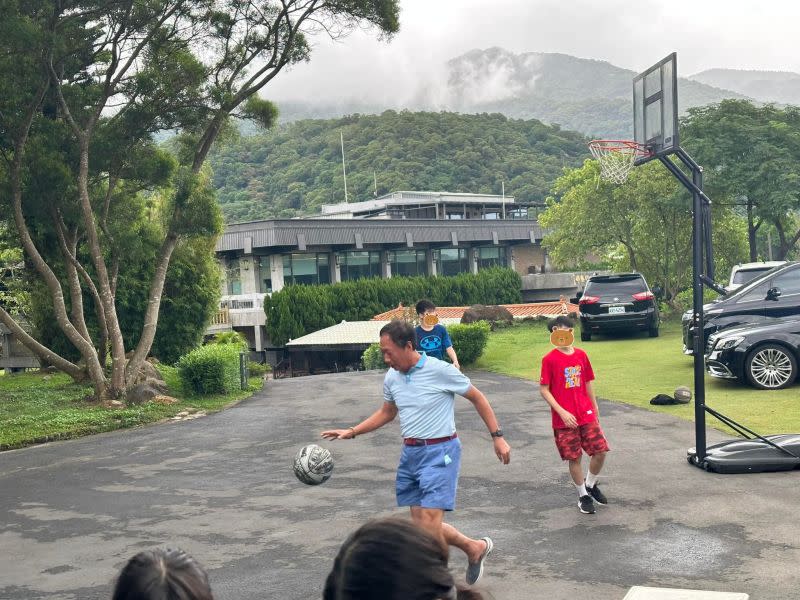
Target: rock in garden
x=491, y=314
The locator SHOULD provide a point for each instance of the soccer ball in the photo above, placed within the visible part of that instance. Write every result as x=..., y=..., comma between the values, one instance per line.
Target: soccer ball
x=313, y=464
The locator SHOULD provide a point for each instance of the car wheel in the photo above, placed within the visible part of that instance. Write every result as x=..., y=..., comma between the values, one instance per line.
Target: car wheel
x=586, y=336
x=771, y=367
x=653, y=331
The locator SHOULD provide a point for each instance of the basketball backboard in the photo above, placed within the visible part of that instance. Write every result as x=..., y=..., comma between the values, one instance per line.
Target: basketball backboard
x=655, y=108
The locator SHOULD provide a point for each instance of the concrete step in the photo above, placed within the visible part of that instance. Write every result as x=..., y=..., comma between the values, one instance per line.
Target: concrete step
x=651, y=593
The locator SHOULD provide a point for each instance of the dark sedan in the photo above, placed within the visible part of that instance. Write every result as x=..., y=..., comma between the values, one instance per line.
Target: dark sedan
x=773, y=295
x=764, y=354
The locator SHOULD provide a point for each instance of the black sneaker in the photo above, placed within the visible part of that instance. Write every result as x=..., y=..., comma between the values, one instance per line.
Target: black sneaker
x=586, y=505
x=598, y=496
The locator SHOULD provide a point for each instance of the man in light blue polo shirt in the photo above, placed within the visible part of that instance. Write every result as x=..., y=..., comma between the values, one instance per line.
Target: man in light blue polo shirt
x=422, y=390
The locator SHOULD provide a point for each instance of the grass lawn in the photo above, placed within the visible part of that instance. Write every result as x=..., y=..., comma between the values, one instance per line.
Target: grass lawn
x=36, y=408
x=633, y=369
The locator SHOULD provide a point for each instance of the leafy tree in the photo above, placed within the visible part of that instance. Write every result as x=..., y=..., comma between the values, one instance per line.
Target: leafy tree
x=84, y=86
x=751, y=156
x=298, y=167
x=644, y=225
x=14, y=296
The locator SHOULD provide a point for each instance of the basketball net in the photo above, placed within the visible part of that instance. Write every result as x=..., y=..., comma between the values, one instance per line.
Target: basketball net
x=616, y=157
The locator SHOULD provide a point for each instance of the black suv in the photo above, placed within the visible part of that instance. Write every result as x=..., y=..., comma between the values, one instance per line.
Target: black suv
x=773, y=295
x=617, y=303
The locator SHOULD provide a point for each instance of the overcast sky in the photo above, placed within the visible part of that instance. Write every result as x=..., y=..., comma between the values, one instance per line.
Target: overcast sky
x=632, y=34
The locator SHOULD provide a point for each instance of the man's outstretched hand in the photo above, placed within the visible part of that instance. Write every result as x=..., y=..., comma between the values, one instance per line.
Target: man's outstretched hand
x=338, y=434
x=502, y=450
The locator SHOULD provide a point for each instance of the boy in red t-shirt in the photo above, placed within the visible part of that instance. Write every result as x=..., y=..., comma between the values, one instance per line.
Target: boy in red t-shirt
x=566, y=385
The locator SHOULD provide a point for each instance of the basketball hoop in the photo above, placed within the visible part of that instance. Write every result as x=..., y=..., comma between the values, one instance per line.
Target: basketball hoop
x=616, y=157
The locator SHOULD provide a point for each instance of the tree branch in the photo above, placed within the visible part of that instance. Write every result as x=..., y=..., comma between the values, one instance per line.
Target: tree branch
x=76, y=293
x=45, y=355
x=153, y=305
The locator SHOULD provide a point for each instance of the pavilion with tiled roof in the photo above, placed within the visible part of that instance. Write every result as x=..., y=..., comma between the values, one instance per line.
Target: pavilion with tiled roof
x=518, y=311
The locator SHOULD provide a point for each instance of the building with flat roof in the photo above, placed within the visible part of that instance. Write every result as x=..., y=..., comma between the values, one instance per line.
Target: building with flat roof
x=431, y=205
x=402, y=233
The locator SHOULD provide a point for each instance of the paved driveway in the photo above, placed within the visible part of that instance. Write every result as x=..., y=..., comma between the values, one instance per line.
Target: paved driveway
x=221, y=487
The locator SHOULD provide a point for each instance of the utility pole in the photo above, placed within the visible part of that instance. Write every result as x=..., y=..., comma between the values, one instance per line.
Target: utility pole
x=344, y=171
x=375, y=179
x=503, y=184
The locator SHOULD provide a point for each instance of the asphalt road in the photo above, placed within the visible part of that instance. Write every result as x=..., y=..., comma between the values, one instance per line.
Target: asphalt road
x=221, y=487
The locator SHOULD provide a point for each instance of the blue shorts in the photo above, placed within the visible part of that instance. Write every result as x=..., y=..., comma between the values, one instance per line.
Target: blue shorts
x=428, y=475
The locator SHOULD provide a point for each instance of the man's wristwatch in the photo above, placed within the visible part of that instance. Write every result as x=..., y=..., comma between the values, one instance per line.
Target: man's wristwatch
x=498, y=433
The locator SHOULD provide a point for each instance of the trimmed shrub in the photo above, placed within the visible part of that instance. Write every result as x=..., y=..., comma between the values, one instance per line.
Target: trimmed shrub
x=211, y=369
x=235, y=338
x=373, y=358
x=257, y=369
x=683, y=300
x=469, y=341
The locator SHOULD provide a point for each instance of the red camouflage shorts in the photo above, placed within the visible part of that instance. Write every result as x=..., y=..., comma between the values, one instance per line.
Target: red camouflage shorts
x=588, y=436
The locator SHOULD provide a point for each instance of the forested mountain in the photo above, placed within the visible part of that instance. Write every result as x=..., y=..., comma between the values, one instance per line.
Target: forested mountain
x=590, y=96
x=782, y=87
x=293, y=170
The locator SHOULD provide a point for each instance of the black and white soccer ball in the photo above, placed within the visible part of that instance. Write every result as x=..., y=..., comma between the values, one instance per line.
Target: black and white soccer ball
x=313, y=464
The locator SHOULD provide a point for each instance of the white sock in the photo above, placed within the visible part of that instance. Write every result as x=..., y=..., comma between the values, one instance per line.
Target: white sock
x=591, y=479
x=581, y=490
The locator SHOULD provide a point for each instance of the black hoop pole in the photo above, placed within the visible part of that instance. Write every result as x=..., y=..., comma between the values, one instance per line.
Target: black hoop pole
x=695, y=186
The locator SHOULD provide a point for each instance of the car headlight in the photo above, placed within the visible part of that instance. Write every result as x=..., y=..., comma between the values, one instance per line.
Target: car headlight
x=728, y=343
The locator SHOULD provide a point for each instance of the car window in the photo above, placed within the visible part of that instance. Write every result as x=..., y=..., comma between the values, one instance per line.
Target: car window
x=749, y=286
x=745, y=275
x=788, y=283
x=758, y=292
x=632, y=285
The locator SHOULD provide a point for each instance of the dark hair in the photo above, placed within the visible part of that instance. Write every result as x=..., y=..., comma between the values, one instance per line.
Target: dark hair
x=561, y=321
x=400, y=332
x=392, y=559
x=424, y=305
x=162, y=574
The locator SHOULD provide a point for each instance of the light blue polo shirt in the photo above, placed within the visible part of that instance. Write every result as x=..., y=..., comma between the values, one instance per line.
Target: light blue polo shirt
x=425, y=397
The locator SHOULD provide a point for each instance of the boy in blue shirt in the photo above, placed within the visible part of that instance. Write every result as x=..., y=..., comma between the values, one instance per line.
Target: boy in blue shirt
x=432, y=337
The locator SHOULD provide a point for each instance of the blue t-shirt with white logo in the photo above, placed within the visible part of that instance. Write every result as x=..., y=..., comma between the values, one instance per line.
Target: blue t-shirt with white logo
x=433, y=342
x=425, y=397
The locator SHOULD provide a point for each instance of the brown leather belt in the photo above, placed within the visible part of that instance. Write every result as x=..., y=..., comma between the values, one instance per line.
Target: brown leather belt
x=428, y=442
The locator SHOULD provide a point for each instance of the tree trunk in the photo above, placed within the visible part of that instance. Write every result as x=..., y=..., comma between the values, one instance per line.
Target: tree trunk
x=786, y=243
x=116, y=387
x=151, y=314
x=44, y=354
x=752, y=229
x=85, y=347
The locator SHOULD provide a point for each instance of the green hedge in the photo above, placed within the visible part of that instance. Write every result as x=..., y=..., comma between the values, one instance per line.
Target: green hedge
x=211, y=369
x=298, y=309
x=469, y=341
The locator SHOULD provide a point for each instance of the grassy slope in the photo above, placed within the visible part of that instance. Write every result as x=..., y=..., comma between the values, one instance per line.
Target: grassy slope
x=634, y=369
x=36, y=408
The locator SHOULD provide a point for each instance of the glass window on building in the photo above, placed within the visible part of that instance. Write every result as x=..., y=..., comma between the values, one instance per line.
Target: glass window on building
x=491, y=256
x=264, y=274
x=452, y=261
x=305, y=269
x=408, y=263
x=358, y=265
x=233, y=277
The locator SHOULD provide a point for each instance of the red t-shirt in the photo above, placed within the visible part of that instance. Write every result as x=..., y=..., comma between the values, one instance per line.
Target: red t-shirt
x=566, y=375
